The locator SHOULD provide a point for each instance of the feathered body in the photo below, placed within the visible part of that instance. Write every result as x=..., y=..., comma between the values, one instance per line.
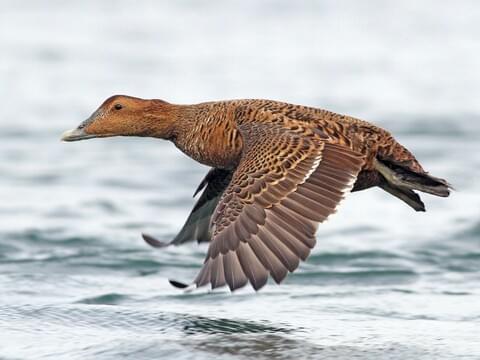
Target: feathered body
x=278, y=170
x=208, y=132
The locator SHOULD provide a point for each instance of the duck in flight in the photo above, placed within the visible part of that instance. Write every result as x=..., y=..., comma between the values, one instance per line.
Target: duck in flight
x=277, y=171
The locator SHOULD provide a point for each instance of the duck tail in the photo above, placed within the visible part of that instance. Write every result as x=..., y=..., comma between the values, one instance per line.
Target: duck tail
x=402, y=174
x=410, y=197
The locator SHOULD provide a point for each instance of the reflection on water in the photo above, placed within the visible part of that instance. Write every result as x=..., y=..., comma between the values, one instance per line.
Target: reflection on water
x=201, y=325
x=279, y=347
x=92, y=313
x=263, y=346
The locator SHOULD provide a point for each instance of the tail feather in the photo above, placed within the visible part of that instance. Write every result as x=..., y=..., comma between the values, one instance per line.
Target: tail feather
x=426, y=183
x=420, y=181
x=404, y=177
x=401, y=179
x=408, y=196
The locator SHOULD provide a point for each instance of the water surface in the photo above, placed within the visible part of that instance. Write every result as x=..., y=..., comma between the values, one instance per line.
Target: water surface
x=385, y=282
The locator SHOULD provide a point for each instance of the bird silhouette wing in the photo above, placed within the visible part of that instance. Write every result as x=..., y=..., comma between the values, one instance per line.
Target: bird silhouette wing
x=197, y=225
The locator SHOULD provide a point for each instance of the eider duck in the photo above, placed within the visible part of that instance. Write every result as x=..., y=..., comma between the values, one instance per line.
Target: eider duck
x=277, y=171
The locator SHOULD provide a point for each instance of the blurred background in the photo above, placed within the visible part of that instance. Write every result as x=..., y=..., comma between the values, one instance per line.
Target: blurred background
x=77, y=281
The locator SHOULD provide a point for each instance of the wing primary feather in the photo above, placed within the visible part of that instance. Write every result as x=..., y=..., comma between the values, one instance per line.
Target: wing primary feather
x=326, y=184
x=203, y=277
x=305, y=226
x=318, y=211
x=293, y=243
x=178, y=284
x=252, y=266
x=150, y=240
x=234, y=275
x=308, y=240
x=269, y=260
x=217, y=274
x=201, y=186
x=281, y=251
x=317, y=196
x=298, y=208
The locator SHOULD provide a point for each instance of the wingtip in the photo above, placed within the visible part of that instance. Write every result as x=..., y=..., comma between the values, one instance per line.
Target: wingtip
x=178, y=284
x=420, y=206
x=150, y=240
x=200, y=188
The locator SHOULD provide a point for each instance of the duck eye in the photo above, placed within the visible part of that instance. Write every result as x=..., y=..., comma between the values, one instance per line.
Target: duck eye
x=118, y=106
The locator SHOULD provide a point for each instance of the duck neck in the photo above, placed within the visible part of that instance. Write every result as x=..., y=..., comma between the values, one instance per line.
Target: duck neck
x=207, y=133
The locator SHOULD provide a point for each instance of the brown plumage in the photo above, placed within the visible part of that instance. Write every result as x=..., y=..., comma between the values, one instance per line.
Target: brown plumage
x=278, y=170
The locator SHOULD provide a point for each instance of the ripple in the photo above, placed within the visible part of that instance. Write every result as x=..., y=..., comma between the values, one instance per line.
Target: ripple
x=105, y=299
x=203, y=325
x=50, y=236
x=95, y=315
x=127, y=184
x=330, y=258
x=274, y=346
x=356, y=277
x=471, y=233
x=6, y=249
x=109, y=207
x=456, y=293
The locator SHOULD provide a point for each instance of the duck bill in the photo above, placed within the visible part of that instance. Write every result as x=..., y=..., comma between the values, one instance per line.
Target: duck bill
x=77, y=135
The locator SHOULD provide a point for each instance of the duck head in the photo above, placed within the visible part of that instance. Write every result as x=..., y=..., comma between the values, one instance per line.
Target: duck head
x=122, y=115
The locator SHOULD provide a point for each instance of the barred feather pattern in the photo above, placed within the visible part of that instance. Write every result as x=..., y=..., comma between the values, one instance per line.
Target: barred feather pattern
x=287, y=181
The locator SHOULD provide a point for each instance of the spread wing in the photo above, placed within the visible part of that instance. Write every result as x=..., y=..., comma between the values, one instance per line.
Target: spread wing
x=197, y=226
x=287, y=181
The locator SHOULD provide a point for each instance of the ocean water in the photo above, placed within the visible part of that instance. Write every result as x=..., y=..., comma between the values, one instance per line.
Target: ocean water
x=384, y=282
